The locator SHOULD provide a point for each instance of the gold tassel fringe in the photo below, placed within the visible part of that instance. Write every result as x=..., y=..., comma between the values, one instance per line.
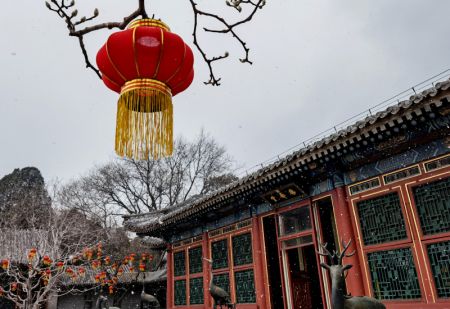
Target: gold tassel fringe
x=144, y=120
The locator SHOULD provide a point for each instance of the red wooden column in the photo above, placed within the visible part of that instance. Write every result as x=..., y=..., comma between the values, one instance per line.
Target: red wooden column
x=342, y=214
x=206, y=271
x=258, y=264
x=170, y=300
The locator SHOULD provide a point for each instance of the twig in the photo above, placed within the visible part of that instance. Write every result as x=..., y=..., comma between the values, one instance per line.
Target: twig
x=66, y=11
x=229, y=28
x=62, y=9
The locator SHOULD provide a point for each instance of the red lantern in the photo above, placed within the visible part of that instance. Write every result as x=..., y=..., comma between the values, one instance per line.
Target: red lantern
x=119, y=272
x=82, y=271
x=47, y=261
x=5, y=264
x=147, y=65
x=32, y=254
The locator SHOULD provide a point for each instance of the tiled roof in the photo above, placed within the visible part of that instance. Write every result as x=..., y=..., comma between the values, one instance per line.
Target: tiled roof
x=373, y=124
x=154, y=243
x=128, y=276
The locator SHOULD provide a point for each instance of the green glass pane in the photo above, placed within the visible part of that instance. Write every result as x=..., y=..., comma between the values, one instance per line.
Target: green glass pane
x=393, y=274
x=242, y=249
x=245, y=286
x=381, y=219
x=180, y=292
x=219, y=254
x=179, y=262
x=195, y=260
x=196, y=291
x=439, y=255
x=433, y=205
x=222, y=281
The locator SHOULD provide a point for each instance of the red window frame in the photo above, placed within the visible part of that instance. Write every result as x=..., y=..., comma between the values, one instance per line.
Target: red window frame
x=425, y=240
x=379, y=191
x=187, y=276
x=415, y=238
x=231, y=269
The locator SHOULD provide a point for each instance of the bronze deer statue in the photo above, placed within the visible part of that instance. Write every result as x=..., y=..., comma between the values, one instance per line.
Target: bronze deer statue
x=339, y=298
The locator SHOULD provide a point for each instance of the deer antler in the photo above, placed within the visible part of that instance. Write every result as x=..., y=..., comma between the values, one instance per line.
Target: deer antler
x=326, y=252
x=343, y=254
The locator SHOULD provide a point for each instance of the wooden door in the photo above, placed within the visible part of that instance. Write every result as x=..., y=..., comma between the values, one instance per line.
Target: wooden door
x=300, y=280
x=301, y=291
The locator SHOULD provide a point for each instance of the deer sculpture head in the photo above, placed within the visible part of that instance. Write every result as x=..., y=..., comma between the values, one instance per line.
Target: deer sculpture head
x=339, y=297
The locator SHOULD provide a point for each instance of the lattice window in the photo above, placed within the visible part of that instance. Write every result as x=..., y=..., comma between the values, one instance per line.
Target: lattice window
x=180, y=292
x=196, y=291
x=179, y=262
x=245, y=286
x=381, y=219
x=195, y=260
x=242, y=249
x=433, y=205
x=439, y=255
x=393, y=274
x=222, y=281
x=219, y=254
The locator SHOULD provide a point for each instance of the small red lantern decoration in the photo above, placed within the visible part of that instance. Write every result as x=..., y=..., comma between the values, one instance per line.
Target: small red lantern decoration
x=147, y=65
x=103, y=275
x=47, y=261
x=95, y=264
x=32, y=254
x=132, y=257
x=60, y=265
x=120, y=271
x=5, y=264
x=88, y=253
x=81, y=271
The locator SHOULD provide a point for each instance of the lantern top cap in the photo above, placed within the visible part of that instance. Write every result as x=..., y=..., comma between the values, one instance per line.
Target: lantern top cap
x=148, y=22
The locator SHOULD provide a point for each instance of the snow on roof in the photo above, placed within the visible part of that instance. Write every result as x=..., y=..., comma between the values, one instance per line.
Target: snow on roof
x=376, y=123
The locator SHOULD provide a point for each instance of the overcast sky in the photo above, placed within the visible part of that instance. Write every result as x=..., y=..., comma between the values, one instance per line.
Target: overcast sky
x=316, y=63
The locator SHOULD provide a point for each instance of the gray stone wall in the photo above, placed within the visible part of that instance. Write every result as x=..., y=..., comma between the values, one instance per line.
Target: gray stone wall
x=72, y=302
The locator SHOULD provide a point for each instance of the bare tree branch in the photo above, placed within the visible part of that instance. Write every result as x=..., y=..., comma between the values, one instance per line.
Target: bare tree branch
x=67, y=12
x=62, y=10
x=229, y=28
x=132, y=187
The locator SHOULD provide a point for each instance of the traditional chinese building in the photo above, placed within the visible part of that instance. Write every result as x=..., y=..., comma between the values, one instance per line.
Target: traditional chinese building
x=382, y=182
